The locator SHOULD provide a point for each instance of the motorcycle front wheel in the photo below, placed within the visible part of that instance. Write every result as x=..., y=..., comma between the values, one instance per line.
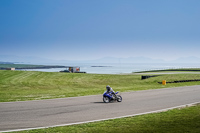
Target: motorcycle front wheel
x=106, y=99
x=119, y=98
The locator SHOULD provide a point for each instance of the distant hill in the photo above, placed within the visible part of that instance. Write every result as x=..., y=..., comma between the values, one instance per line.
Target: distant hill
x=128, y=60
x=24, y=59
x=190, y=59
x=42, y=61
x=143, y=60
x=1, y=62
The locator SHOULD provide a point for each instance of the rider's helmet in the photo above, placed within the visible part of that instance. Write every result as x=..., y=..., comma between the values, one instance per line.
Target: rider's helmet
x=108, y=88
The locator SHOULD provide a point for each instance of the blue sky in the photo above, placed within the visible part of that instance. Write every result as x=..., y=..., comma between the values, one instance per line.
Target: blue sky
x=92, y=29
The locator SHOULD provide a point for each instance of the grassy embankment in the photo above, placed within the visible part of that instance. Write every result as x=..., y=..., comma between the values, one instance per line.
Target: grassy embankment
x=185, y=120
x=28, y=85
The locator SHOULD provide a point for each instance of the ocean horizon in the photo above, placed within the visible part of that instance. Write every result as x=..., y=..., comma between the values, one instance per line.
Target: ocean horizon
x=119, y=68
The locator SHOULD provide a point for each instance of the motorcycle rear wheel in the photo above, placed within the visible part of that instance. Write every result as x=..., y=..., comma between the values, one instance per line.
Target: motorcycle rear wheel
x=106, y=99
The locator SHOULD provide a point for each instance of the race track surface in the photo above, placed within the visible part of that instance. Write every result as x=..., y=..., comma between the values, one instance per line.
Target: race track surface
x=45, y=113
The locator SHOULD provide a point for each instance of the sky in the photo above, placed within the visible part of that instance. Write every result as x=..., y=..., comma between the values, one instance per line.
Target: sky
x=93, y=29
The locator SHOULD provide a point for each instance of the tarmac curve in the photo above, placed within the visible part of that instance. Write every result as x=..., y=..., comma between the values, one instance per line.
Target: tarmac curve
x=27, y=115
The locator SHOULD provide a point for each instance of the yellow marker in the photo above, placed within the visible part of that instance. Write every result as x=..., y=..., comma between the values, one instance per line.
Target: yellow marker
x=164, y=82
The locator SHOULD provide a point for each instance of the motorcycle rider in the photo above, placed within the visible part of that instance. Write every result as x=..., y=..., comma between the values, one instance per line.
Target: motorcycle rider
x=109, y=89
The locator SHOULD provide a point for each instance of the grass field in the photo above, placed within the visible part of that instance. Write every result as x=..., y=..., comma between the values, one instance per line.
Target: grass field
x=185, y=120
x=29, y=85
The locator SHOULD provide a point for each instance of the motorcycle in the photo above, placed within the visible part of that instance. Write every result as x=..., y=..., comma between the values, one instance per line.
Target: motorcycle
x=108, y=97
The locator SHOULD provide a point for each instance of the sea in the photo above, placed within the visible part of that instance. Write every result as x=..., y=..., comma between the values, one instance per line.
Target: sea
x=118, y=68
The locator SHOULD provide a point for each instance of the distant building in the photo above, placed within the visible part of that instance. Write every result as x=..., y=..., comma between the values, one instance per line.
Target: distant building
x=73, y=70
x=10, y=68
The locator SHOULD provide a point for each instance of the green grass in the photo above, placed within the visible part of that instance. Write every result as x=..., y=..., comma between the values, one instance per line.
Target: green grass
x=30, y=85
x=185, y=120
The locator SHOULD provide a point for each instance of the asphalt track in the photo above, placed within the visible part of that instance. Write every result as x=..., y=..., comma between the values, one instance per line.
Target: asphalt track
x=56, y=112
